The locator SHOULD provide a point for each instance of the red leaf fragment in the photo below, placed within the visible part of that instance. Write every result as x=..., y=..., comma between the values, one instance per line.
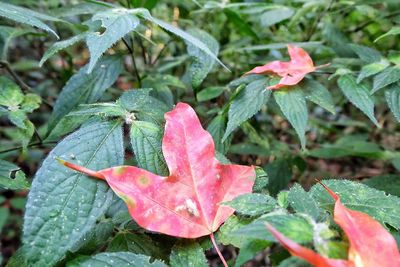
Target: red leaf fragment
x=292, y=72
x=371, y=244
x=187, y=202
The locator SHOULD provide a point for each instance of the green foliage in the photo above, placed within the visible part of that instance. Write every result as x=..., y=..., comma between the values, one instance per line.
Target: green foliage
x=252, y=204
x=188, y=254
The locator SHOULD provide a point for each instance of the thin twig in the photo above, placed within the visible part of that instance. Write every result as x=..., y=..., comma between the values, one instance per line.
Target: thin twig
x=367, y=23
x=29, y=145
x=143, y=50
x=317, y=20
x=217, y=249
x=160, y=53
x=36, y=133
x=131, y=51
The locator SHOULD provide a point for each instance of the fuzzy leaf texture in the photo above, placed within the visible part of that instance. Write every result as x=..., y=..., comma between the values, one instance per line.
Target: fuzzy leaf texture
x=370, y=243
x=292, y=72
x=187, y=203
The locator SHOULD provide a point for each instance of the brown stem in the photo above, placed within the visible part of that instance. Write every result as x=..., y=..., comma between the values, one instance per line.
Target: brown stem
x=81, y=169
x=217, y=249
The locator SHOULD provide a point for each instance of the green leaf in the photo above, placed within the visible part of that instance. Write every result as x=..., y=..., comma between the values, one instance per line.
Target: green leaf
x=217, y=128
x=99, y=109
x=111, y=259
x=188, y=253
x=182, y=34
x=247, y=103
x=358, y=95
x=83, y=88
x=210, y=93
x=116, y=23
x=392, y=96
x=4, y=214
x=393, y=31
x=18, y=118
x=136, y=243
x=252, y=204
x=226, y=235
x=11, y=177
x=262, y=180
x=372, y=69
x=26, y=16
x=202, y=63
x=292, y=103
x=31, y=102
x=146, y=141
x=276, y=15
x=279, y=174
x=11, y=95
x=317, y=93
x=386, y=77
x=63, y=202
x=366, y=53
x=61, y=45
x=356, y=196
x=250, y=250
x=302, y=202
x=240, y=25
x=389, y=183
x=292, y=226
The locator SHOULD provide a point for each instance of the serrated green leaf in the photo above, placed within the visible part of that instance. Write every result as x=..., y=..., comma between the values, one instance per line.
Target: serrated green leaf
x=11, y=95
x=372, y=69
x=136, y=243
x=302, y=202
x=250, y=250
x=188, y=253
x=252, y=204
x=31, y=102
x=392, y=96
x=83, y=88
x=61, y=45
x=292, y=103
x=357, y=196
x=99, y=109
x=247, y=103
x=317, y=93
x=182, y=34
x=202, y=63
x=261, y=182
x=276, y=15
x=26, y=16
x=116, y=23
x=386, y=77
x=292, y=226
x=146, y=139
x=358, y=95
x=226, y=233
x=78, y=9
x=63, y=202
x=393, y=31
x=294, y=262
x=366, y=53
x=210, y=93
x=389, y=183
x=7, y=181
x=279, y=174
x=111, y=259
x=217, y=128
x=18, y=117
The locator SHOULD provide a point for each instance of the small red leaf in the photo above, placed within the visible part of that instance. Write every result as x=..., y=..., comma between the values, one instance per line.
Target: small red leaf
x=187, y=202
x=292, y=72
x=371, y=244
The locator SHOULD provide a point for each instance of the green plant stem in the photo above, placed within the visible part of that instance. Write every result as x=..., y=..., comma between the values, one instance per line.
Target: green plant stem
x=317, y=20
x=29, y=145
x=369, y=22
x=131, y=51
x=160, y=53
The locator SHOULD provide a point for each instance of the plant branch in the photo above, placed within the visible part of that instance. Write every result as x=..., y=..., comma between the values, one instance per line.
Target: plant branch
x=29, y=145
x=317, y=20
x=369, y=22
x=160, y=53
x=131, y=51
x=217, y=249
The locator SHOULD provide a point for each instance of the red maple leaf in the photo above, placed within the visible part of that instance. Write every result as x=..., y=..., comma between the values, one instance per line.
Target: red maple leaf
x=187, y=203
x=292, y=72
x=371, y=245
